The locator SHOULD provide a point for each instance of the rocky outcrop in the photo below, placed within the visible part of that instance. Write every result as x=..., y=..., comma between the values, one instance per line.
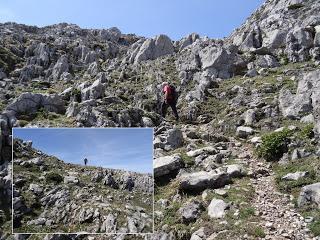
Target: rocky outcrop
x=28, y=103
x=305, y=101
x=153, y=48
x=309, y=194
x=165, y=165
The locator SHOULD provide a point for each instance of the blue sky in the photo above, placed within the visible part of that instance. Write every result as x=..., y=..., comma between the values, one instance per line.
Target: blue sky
x=176, y=18
x=130, y=149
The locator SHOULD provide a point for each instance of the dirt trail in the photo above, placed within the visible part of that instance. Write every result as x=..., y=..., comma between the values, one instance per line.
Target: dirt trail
x=280, y=219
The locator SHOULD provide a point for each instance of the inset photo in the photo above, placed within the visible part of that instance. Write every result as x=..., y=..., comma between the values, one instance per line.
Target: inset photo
x=88, y=180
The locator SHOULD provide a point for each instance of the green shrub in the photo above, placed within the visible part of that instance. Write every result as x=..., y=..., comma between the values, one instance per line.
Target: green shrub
x=76, y=93
x=22, y=123
x=274, y=145
x=307, y=131
x=8, y=60
x=54, y=177
x=295, y=6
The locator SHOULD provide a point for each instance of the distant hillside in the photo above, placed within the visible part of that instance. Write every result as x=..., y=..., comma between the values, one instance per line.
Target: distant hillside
x=53, y=196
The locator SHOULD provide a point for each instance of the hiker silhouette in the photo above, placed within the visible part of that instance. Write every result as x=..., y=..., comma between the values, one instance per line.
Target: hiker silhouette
x=85, y=161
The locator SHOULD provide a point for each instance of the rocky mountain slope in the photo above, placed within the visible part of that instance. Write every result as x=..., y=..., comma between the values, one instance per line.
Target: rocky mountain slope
x=243, y=162
x=50, y=195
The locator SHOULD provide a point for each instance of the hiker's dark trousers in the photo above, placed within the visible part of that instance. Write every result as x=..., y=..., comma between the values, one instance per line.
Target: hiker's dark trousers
x=165, y=106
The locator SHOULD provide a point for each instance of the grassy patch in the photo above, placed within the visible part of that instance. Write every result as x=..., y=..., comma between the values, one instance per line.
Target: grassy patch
x=255, y=231
x=311, y=165
x=315, y=228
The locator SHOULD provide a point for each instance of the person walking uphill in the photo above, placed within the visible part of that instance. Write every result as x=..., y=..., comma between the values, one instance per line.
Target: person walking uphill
x=170, y=99
x=85, y=161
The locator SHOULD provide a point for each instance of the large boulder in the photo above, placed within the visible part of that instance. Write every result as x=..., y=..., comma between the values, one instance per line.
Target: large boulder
x=169, y=140
x=275, y=39
x=94, y=91
x=244, y=132
x=294, y=176
x=198, y=181
x=307, y=97
x=112, y=34
x=223, y=62
x=109, y=225
x=217, y=208
x=28, y=103
x=188, y=40
x=266, y=61
x=166, y=165
x=190, y=211
x=153, y=48
x=298, y=42
x=60, y=67
x=309, y=194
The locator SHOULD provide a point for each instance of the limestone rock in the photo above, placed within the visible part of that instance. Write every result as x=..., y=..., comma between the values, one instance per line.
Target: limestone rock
x=166, y=165
x=217, y=208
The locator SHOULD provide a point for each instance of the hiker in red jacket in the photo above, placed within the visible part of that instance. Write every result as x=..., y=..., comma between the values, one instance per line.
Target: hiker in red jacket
x=170, y=99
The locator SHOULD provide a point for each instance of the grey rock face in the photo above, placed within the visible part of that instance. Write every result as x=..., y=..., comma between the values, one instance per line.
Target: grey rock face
x=166, y=165
x=307, y=97
x=111, y=34
x=217, y=208
x=169, y=140
x=309, y=194
x=60, y=67
x=31, y=102
x=184, y=42
x=109, y=225
x=154, y=48
x=266, y=61
x=189, y=212
x=94, y=91
x=244, y=132
x=280, y=28
x=220, y=60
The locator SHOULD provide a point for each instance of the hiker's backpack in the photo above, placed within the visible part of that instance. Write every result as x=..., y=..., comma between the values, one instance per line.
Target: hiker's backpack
x=172, y=93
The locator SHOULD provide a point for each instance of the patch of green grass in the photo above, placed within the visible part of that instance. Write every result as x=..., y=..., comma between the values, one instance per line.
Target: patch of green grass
x=255, y=231
x=246, y=212
x=315, y=228
x=308, y=164
x=170, y=214
x=166, y=191
x=311, y=165
x=188, y=161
